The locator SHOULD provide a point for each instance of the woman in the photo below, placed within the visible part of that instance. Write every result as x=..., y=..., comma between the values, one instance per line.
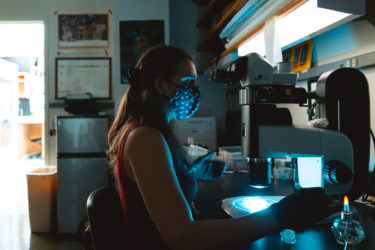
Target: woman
x=157, y=181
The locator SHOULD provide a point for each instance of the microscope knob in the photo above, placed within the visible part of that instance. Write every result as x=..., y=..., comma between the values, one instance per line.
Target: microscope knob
x=264, y=93
x=336, y=172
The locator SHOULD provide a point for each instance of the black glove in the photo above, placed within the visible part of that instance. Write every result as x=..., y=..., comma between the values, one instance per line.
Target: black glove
x=209, y=170
x=302, y=208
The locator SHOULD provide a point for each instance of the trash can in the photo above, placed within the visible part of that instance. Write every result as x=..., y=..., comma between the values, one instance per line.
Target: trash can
x=42, y=194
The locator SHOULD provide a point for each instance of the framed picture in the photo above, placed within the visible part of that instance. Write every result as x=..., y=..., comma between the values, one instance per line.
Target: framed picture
x=299, y=55
x=75, y=76
x=83, y=31
x=135, y=38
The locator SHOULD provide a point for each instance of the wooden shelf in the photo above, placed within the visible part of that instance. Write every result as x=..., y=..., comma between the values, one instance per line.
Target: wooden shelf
x=212, y=42
x=201, y=2
x=211, y=11
x=27, y=139
x=280, y=13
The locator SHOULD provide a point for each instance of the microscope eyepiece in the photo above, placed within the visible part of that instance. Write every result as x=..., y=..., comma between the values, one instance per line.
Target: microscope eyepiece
x=222, y=76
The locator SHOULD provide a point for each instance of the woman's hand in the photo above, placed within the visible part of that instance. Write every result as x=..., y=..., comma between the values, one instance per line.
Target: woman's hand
x=208, y=170
x=303, y=208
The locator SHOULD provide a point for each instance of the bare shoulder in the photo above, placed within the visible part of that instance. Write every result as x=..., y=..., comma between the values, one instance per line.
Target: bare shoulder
x=145, y=130
x=145, y=133
x=147, y=152
x=143, y=138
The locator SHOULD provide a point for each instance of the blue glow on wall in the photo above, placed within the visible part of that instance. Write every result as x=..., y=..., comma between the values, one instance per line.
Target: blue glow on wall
x=334, y=42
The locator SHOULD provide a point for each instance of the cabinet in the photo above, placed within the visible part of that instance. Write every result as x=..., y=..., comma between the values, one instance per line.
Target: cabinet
x=30, y=138
x=216, y=14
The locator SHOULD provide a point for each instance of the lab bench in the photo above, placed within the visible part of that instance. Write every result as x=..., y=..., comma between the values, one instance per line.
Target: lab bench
x=318, y=237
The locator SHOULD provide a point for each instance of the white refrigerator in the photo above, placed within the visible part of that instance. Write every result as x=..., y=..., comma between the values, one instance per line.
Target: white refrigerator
x=81, y=166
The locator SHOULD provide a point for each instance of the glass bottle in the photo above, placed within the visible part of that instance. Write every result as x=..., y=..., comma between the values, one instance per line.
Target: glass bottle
x=347, y=230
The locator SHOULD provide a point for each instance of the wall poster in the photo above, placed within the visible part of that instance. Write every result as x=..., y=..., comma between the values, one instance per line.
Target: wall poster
x=83, y=31
x=135, y=38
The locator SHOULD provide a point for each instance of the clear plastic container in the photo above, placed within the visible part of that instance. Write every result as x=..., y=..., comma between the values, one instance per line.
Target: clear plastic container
x=196, y=151
x=282, y=170
x=42, y=195
x=232, y=155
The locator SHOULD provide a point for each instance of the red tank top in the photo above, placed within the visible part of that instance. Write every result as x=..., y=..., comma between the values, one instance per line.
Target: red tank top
x=142, y=233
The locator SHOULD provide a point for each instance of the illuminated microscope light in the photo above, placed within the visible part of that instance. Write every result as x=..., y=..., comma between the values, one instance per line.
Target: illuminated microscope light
x=259, y=186
x=250, y=204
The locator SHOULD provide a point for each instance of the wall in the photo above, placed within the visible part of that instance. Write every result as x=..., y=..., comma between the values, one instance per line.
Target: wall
x=180, y=16
x=44, y=10
x=350, y=39
x=184, y=34
x=134, y=10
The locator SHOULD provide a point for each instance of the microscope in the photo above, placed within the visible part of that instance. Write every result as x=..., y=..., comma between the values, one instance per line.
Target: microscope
x=335, y=157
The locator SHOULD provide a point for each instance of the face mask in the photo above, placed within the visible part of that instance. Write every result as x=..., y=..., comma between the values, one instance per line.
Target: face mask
x=185, y=102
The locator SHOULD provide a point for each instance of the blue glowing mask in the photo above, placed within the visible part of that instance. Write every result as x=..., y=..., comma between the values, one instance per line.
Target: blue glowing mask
x=185, y=102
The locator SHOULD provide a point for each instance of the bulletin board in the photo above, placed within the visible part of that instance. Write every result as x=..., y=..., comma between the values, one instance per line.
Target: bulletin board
x=82, y=76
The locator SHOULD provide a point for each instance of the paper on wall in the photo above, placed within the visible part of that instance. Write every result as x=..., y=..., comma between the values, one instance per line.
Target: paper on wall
x=272, y=44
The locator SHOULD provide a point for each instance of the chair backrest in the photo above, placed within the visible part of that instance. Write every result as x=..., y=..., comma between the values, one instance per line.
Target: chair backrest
x=106, y=219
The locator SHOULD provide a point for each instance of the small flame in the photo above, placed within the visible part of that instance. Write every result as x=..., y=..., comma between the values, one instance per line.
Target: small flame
x=346, y=200
x=346, y=204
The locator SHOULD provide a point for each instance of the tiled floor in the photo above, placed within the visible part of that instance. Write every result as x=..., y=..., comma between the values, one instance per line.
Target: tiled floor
x=15, y=233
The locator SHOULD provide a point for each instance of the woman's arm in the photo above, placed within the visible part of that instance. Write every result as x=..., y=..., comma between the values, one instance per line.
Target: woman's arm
x=151, y=164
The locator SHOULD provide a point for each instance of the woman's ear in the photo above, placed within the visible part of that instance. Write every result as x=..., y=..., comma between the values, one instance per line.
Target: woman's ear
x=159, y=85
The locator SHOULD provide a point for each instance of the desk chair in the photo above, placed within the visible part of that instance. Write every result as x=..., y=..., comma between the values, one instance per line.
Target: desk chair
x=106, y=219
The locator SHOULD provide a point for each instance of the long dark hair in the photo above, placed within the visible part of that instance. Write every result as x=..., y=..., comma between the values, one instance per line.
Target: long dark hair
x=142, y=105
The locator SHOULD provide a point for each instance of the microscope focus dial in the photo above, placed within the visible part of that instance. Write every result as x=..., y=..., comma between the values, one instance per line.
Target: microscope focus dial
x=336, y=172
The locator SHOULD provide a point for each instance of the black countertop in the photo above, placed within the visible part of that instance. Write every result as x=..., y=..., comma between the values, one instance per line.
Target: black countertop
x=318, y=237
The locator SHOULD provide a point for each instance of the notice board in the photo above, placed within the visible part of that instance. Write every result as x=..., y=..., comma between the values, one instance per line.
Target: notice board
x=82, y=76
